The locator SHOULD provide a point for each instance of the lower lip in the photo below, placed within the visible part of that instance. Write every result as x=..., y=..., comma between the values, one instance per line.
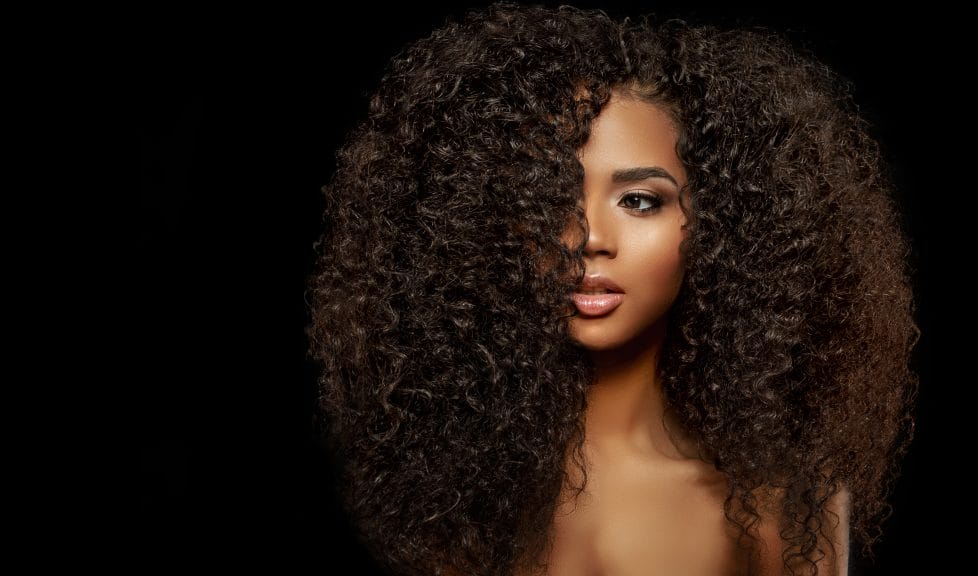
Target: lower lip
x=591, y=305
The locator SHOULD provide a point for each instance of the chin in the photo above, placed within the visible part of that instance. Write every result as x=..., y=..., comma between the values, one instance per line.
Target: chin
x=603, y=338
x=596, y=338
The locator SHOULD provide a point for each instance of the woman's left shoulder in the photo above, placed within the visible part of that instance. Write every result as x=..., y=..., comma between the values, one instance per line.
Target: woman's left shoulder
x=833, y=537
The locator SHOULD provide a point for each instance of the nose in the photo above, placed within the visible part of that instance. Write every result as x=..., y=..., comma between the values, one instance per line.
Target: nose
x=600, y=232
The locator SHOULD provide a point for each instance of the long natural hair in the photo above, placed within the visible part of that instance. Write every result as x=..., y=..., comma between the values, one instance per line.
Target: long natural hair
x=451, y=392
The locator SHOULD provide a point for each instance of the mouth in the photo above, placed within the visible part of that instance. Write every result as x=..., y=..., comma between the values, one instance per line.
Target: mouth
x=597, y=296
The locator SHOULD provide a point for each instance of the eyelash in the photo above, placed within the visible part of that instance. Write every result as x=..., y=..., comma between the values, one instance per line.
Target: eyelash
x=654, y=199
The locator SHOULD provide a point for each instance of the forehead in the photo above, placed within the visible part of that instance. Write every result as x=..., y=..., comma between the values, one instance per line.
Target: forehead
x=631, y=133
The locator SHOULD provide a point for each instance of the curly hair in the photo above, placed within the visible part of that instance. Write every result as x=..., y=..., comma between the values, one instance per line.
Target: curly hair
x=451, y=391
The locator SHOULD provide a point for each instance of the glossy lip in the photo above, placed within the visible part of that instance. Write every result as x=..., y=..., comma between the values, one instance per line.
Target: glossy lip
x=597, y=305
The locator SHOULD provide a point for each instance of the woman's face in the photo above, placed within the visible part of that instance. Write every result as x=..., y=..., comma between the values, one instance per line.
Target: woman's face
x=632, y=183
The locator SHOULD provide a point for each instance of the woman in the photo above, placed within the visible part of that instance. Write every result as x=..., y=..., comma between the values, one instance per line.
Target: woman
x=600, y=297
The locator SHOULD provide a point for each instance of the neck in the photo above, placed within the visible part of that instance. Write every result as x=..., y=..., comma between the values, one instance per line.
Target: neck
x=626, y=405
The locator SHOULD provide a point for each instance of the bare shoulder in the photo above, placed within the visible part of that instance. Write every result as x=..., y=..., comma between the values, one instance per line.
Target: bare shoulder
x=833, y=538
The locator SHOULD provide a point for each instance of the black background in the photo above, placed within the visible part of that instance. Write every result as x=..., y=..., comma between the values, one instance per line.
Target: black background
x=240, y=113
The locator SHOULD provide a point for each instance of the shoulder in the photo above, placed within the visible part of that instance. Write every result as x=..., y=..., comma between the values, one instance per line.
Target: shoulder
x=833, y=542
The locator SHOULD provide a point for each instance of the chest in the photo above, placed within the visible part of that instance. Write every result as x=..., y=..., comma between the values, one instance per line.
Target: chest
x=647, y=519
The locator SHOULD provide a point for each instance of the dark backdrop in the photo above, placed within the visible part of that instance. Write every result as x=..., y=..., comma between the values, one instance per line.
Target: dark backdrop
x=239, y=115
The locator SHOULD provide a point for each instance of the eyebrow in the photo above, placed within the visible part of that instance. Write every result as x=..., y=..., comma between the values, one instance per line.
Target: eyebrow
x=641, y=173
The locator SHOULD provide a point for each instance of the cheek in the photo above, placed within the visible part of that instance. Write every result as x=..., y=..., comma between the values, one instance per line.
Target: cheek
x=660, y=259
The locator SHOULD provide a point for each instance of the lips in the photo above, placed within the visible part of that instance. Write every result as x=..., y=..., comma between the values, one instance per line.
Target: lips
x=598, y=296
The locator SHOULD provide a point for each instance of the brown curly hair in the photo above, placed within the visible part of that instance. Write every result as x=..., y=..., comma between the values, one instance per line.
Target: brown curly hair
x=451, y=392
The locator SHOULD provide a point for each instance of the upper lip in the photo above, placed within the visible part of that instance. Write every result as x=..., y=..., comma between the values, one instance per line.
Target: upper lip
x=597, y=283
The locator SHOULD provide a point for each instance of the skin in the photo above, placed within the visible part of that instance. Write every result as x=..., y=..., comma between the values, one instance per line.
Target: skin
x=650, y=506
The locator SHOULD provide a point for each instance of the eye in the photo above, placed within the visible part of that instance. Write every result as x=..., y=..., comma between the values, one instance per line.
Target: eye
x=640, y=201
